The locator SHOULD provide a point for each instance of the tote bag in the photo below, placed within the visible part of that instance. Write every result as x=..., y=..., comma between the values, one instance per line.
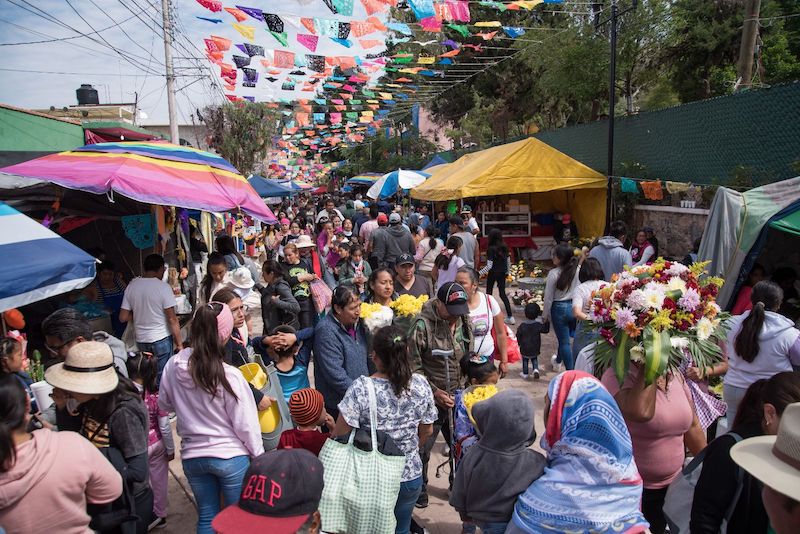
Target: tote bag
x=680, y=494
x=361, y=487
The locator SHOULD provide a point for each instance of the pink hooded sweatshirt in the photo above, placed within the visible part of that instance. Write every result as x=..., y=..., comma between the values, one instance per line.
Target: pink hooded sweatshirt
x=54, y=476
x=215, y=427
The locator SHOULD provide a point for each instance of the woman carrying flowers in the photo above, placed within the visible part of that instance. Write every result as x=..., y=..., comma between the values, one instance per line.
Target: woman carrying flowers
x=652, y=319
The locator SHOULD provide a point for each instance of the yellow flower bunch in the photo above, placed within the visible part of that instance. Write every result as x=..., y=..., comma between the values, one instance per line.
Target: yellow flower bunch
x=478, y=394
x=699, y=267
x=368, y=309
x=408, y=305
x=661, y=321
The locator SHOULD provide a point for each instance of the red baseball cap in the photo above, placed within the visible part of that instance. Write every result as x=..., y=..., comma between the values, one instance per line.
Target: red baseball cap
x=281, y=489
x=383, y=219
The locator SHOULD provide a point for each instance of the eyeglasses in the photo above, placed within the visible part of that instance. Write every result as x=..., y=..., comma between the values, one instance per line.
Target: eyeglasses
x=57, y=348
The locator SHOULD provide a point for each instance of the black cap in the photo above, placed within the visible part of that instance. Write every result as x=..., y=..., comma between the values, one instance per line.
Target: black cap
x=281, y=489
x=405, y=259
x=454, y=297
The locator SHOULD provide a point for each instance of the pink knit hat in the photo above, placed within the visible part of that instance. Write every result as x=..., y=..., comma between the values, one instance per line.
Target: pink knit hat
x=224, y=322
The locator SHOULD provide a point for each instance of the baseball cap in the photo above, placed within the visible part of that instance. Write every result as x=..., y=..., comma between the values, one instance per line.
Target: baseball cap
x=394, y=218
x=466, y=209
x=454, y=297
x=405, y=259
x=281, y=489
x=305, y=406
x=382, y=219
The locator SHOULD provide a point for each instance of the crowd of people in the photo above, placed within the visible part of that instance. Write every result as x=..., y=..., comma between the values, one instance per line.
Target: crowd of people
x=99, y=455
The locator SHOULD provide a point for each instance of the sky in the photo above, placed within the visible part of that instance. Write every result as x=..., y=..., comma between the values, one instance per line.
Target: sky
x=44, y=58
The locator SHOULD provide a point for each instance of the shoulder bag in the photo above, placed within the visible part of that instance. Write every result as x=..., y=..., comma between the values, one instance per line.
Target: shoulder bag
x=361, y=487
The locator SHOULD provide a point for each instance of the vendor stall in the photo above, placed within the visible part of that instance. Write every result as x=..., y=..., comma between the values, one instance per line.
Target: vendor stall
x=520, y=187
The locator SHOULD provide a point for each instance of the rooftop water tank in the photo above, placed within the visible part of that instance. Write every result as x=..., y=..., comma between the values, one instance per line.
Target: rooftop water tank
x=87, y=95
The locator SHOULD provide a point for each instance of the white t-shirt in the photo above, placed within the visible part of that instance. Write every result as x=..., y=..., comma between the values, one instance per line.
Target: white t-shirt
x=482, y=319
x=147, y=298
x=472, y=224
x=583, y=293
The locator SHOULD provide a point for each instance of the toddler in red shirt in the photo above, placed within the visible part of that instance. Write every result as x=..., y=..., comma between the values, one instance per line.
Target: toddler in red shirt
x=307, y=407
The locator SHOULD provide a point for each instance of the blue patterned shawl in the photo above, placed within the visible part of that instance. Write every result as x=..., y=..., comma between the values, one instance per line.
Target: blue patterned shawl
x=591, y=483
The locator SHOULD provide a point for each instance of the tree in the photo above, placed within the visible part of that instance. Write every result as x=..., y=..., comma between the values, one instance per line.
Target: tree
x=241, y=133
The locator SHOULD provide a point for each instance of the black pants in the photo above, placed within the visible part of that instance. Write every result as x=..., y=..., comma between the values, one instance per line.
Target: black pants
x=500, y=278
x=652, y=509
x=442, y=424
x=306, y=315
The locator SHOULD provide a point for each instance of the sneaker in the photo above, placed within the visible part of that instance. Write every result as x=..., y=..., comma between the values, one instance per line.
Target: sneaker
x=536, y=374
x=554, y=362
x=510, y=320
x=422, y=500
x=158, y=522
x=446, y=450
x=524, y=376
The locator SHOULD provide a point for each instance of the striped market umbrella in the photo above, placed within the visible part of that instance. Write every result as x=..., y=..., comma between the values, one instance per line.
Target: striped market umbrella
x=152, y=172
x=39, y=263
x=368, y=178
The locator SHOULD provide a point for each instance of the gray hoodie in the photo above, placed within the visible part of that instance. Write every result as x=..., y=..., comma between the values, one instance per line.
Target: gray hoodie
x=117, y=349
x=391, y=241
x=612, y=255
x=500, y=466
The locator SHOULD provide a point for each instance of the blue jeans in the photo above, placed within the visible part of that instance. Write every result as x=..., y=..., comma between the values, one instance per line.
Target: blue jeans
x=409, y=491
x=584, y=334
x=161, y=349
x=210, y=479
x=494, y=527
x=528, y=362
x=563, y=323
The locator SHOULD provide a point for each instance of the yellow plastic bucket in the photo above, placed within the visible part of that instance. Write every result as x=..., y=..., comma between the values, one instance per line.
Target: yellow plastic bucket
x=270, y=418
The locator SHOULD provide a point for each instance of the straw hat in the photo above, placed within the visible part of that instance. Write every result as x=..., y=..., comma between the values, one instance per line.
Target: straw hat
x=304, y=241
x=242, y=278
x=775, y=460
x=89, y=369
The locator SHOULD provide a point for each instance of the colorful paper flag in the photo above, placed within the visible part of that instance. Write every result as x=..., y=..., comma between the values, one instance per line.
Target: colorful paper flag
x=248, y=32
x=309, y=41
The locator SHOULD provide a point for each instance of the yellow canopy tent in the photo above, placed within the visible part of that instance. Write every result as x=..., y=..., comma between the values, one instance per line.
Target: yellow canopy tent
x=554, y=180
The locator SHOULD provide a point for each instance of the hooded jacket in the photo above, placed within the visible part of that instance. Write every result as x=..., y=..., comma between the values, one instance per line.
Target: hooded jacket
x=117, y=349
x=612, y=256
x=53, y=478
x=430, y=332
x=282, y=311
x=500, y=466
x=217, y=427
x=391, y=241
x=778, y=350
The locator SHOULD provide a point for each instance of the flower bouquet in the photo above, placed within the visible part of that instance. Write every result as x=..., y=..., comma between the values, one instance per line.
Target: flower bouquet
x=376, y=315
x=408, y=305
x=656, y=314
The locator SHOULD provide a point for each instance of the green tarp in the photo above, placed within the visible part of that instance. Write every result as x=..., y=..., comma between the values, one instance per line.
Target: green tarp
x=790, y=223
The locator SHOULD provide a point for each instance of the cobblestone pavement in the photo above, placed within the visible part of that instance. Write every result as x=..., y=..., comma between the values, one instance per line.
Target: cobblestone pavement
x=438, y=517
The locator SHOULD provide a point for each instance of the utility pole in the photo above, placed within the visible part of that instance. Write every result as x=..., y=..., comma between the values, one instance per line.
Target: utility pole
x=612, y=97
x=752, y=9
x=173, y=121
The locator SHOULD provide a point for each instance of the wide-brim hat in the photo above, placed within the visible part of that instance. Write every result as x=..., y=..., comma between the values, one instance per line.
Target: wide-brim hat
x=304, y=241
x=775, y=460
x=242, y=278
x=88, y=369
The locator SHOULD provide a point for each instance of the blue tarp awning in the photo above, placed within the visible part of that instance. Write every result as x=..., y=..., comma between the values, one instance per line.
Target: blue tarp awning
x=268, y=188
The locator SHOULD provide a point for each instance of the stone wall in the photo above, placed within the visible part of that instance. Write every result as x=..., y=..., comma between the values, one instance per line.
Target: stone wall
x=676, y=228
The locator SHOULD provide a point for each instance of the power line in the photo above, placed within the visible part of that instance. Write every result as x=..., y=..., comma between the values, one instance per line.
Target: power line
x=56, y=39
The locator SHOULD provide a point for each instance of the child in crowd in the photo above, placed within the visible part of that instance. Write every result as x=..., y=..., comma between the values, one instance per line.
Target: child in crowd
x=307, y=407
x=529, y=336
x=479, y=371
x=292, y=366
x=143, y=370
x=499, y=467
x=355, y=272
x=344, y=257
x=447, y=263
x=11, y=363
